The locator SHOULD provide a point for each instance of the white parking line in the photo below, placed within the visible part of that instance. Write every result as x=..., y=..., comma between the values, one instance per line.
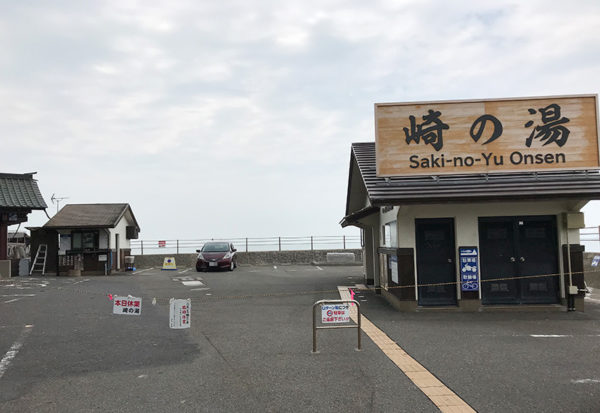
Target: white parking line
x=585, y=381
x=184, y=271
x=193, y=283
x=550, y=335
x=14, y=350
x=141, y=271
x=319, y=268
x=17, y=295
x=82, y=281
x=11, y=301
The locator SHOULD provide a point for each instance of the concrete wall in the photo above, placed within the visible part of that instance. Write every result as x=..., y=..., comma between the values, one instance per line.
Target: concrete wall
x=248, y=258
x=120, y=229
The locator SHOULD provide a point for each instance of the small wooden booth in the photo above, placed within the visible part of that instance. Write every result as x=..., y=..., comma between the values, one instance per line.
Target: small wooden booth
x=89, y=239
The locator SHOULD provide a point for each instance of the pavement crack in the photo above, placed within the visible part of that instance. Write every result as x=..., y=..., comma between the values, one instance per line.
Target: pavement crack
x=217, y=350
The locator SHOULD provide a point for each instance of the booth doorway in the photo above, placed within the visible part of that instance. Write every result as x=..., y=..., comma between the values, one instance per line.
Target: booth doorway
x=435, y=261
x=514, y=250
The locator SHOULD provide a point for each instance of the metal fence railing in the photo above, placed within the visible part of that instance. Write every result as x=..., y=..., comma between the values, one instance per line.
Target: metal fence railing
x=590, y=238
x=184, y=246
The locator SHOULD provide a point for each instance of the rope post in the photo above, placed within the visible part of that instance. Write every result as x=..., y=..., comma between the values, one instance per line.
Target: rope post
x=246, y=244
x=279, y=244
x=311, y=243
x=142, y=243
x=177, y=247
x=344, y=242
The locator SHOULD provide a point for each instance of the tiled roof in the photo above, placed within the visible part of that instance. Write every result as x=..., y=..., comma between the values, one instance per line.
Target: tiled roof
x=20, y=191
x=88, y=216
x=461, y=188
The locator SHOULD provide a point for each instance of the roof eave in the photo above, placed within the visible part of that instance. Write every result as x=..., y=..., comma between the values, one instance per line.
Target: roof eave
x=353, y=218
x=452, y=198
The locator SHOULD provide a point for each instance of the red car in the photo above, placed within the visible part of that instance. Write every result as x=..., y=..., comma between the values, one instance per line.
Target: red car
x=216, y=255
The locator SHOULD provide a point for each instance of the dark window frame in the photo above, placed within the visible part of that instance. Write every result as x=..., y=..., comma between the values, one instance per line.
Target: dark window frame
x=96, y=242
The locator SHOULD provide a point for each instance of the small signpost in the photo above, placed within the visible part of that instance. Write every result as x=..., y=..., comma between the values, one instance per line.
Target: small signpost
x=179, y=313
x=334, y=312
x=162, y=244
x=127, y=305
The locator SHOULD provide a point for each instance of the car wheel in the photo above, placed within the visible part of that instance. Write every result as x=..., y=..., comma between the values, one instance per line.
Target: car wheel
x=231, y=266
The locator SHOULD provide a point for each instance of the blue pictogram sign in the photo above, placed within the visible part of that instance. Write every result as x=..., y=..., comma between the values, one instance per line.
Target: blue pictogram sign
x=469, y=268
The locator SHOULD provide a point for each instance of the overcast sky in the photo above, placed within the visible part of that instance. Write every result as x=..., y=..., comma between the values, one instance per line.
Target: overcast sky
x=235, y=118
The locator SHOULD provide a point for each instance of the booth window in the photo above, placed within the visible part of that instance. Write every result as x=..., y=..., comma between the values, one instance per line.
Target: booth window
x=390, y=237
x=85, y=240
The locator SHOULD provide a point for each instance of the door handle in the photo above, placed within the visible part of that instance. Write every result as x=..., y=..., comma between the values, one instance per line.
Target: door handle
x=450, y=260
x=512, y=259
x=522, y=259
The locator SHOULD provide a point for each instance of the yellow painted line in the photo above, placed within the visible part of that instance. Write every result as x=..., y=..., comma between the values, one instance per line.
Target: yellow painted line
x=444, y=398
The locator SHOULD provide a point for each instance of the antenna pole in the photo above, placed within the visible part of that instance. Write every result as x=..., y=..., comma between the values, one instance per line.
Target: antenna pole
x=57, y=199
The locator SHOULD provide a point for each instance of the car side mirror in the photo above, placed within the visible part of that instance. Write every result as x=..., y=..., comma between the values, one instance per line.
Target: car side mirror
x=197, y=250
x=233, y=249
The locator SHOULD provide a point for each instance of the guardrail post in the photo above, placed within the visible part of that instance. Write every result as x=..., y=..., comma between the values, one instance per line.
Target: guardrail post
x=142, y=244
x=279, y=244
x=177, y=247
x=344, y=242
x=246, y=244
x=311, y=242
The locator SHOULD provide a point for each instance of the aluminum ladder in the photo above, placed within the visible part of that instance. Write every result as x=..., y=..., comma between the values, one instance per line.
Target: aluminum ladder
x=39, y=263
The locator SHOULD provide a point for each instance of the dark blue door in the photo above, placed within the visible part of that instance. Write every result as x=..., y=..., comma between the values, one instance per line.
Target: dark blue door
x=436, y=268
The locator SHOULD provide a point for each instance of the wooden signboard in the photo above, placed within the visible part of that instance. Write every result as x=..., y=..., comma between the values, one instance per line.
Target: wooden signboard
x=487, y=136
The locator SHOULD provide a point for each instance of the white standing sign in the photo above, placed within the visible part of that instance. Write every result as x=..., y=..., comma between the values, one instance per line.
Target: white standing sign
x=127, y=305
x=335, y=313
x=179, y=313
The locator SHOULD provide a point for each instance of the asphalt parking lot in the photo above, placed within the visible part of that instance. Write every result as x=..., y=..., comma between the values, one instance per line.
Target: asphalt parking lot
x=249, y=348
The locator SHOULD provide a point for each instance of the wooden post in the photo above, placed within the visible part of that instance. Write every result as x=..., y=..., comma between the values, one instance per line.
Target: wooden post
x=3, y=239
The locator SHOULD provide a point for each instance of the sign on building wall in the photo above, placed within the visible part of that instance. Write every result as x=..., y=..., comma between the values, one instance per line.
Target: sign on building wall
x=394, y=268
x=469, y=270
x=486, y=136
